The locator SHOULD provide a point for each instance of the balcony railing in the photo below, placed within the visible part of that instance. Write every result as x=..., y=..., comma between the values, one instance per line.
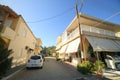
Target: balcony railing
x=97, y=30
x=8, y=33
x=73, y=34
x=85, y=28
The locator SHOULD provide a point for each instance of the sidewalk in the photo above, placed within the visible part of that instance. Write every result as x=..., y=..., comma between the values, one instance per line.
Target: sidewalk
x=72, y=64
x=13, y=71
x=108, y=74
x=87, y=76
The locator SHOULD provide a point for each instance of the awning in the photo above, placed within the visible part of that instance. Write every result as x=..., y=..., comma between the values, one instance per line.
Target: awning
x=57, y=47
x=103, y=44
x=73, y=46
x=63, y=49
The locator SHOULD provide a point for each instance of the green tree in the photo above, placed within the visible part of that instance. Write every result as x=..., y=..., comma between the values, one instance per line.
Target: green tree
x=51, y=49
x=48, y=50
x=5, y=59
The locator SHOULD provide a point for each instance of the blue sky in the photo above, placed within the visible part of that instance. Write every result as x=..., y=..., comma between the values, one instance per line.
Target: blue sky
x=49, y=18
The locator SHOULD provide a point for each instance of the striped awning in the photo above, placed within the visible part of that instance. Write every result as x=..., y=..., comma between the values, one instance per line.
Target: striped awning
x=104, y=44
x=73, y=46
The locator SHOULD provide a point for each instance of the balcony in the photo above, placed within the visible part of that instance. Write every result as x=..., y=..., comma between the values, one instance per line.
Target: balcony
x=8, y=33
x=95, y=30
x=73, y=34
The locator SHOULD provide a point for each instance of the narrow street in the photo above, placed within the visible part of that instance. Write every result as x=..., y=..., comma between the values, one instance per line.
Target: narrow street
x=52, y=70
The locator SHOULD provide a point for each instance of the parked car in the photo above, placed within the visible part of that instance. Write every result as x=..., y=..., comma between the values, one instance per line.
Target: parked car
x=43, y=56
x=35, y=61
x=113, y=62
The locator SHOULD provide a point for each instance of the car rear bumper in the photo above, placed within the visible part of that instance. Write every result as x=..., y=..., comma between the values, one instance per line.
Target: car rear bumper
x=33, y=65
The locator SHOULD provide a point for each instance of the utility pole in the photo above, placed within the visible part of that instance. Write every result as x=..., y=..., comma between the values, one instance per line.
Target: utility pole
x=80, y=32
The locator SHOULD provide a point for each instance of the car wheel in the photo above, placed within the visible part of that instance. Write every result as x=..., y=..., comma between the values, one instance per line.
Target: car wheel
x=27, y=68
x=41, y=67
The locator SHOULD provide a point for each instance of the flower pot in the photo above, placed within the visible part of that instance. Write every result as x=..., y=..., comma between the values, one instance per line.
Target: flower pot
x=99, y=74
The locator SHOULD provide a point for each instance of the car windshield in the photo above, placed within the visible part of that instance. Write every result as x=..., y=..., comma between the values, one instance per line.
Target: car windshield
x=116, y=57
x=35, y=57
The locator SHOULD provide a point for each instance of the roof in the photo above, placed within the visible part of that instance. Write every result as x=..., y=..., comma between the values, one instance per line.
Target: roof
x=8, y=10
x=14, y=14
x=94, y=22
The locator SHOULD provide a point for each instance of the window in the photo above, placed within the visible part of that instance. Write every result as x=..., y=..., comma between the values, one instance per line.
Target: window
x=20, y=52
x=109, y=58
x=24, y=33
x=1, y=16
x=0, y=23
x=117, y=64
x=8, y=23
x=35, y=57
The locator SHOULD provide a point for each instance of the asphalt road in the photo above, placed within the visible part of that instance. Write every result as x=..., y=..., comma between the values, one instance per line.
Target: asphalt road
x=56, y=70
x=52, y=70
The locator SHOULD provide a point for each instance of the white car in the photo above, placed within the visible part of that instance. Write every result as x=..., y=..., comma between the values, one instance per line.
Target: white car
x=35, y=61
x=113, y=62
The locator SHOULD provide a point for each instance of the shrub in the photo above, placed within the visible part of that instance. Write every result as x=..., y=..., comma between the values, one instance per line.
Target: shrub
x=84, y=67
x=88, y=67
x=98, y=65
x=5, y=59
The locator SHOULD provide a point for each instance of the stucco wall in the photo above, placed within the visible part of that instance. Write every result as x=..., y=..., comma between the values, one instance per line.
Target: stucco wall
x=23, y=38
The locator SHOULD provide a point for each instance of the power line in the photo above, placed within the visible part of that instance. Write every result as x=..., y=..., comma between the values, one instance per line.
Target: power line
x=49, y=18
x=81, y=5
x=80, y=2
x=115, y=14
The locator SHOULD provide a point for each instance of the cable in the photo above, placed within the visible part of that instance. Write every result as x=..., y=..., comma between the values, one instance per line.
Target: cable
x=49, y=18
x=117, y=13
x=78, y=3
x=81, y=5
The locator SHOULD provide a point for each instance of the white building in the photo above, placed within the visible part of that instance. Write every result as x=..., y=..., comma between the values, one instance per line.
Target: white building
x=97, y=36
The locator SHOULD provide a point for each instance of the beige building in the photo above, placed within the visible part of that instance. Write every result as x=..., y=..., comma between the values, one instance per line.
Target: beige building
x=38, y=46
x=18, y=36
x=98, y=36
